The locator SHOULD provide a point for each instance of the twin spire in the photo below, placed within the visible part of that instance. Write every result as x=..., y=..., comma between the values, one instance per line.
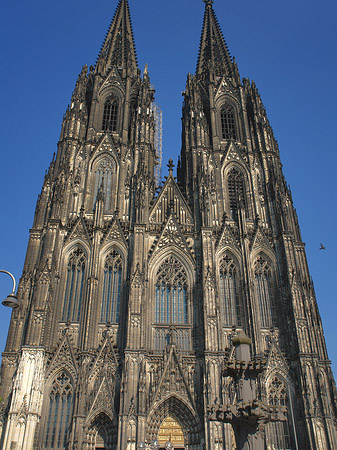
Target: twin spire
x=119, y=50
x=213, y=52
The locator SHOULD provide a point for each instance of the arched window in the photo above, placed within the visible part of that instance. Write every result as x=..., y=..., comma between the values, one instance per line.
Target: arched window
x=74, y=286
x=171, y=293
x=104, y=174
x=229, y=292
x=228, y=122
x=59, y=412
x=112, y=286
x=236, y=191
x=263, y=292
x=280, y=435
x=110, y=114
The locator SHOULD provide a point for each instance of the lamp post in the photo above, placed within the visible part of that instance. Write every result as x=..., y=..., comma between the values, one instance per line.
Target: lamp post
x=11, y=300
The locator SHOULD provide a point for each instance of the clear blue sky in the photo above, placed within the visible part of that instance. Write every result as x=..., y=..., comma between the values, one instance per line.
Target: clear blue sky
x=288, y=48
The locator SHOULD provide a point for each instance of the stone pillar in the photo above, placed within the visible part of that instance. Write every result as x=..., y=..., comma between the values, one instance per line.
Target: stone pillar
x=26, y=404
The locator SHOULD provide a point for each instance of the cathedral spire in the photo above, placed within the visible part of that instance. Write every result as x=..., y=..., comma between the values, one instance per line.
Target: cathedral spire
x=213, y=52
x=118, y=49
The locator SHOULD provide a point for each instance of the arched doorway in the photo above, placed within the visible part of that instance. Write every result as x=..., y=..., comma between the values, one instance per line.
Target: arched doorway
x=171, y=430
x=182, y=414
x=101, y=439
x=100, y=434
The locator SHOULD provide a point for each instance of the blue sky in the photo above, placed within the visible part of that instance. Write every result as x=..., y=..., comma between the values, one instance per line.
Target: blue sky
x=288, y=48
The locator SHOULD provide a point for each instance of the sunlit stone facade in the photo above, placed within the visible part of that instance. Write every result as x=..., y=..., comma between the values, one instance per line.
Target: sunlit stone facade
x=135, y=298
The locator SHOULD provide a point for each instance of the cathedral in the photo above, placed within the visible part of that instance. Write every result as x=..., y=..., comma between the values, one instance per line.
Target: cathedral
x=175, y=314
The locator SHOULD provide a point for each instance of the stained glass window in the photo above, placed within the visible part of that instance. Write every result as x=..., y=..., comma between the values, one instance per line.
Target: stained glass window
x=74, y=286
x=279, y=434
x=112, y=286
x=110, y=114
x=228, y=122
x=230, y=306
x=104, y=171
x=171, y=293
x=236, y=190
x=263, y=292
x=59, y=413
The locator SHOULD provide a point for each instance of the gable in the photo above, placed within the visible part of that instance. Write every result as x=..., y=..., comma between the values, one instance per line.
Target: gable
x=173, y=380
x=79, y=230
x=234, y=154
x=170, y=199
x=107, y=147
x=260, y=241
x=171, y=236
x=113, y=80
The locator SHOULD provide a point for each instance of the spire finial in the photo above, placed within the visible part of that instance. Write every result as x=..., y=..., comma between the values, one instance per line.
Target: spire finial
x=208, y=2
x=170, y=166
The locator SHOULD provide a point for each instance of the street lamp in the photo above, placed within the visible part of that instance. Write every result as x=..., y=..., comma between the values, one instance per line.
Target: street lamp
x=11, y=300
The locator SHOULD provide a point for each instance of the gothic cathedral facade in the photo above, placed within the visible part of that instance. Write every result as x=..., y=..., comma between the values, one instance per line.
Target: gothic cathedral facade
x=135, y=296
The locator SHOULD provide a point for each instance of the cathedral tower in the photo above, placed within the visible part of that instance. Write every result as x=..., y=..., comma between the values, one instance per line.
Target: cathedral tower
x=175, y=313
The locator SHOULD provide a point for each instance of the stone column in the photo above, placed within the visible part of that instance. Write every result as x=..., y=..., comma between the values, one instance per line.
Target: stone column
x=26, y=405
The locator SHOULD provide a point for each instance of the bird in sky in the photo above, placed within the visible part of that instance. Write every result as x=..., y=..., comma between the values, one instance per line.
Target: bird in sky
x=322, y=247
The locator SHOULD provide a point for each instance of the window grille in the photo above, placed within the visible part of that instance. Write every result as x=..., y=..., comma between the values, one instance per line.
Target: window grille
x=171, y=293
x=228, y=122
x=110, y=114
x=279, y=434
x=74, y=287
x=60, y=409
x=263, y=291
x=236, y=191
x=230, y=305
x=112, y=286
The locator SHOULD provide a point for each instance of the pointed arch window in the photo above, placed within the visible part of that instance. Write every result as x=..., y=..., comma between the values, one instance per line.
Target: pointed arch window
x=112, y=287
x=110, y=114
x=74, y=286
x=280, y=435
x=227, y=115
x=263, y=291
x=236, y=191
x=59, y=412
x=229, y=291
x=171, y=293
x=104, y=170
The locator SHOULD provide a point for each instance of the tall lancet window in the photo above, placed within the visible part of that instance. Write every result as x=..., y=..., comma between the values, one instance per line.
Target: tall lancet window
x=280, y=435
x=229, y=281
x=110, y=114
x=74, y=286
x=236, y=191
x=59, y=412
x=104, y=175
x=171, y=293
x=112, y=288
x=228, y=122
x=264, y=292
